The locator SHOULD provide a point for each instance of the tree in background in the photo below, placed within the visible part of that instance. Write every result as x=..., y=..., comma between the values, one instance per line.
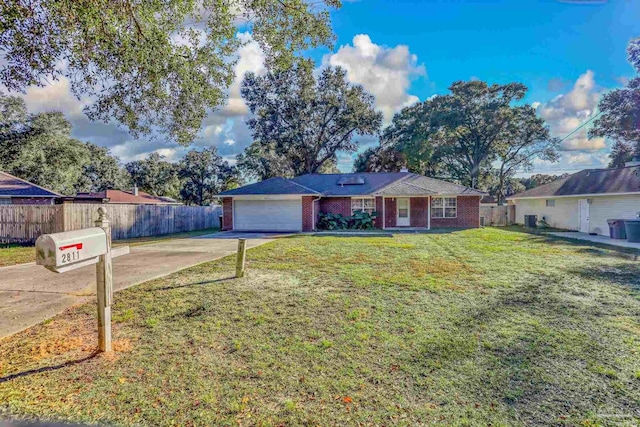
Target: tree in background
x=151, y=66
x=205, y=174
x=101, y=172
x=302, y=123
x=620, y=115
x=540, y=179
x=155, y=176
x=39, y=147
x=527, y=138
x=623, y=152
x=259, y=161
x=380, y=159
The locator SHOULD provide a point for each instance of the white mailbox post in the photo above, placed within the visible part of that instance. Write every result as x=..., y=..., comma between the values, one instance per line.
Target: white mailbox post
x=62, y=252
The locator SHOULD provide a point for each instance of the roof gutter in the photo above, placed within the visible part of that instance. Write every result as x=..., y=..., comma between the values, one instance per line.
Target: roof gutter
x=551, y=196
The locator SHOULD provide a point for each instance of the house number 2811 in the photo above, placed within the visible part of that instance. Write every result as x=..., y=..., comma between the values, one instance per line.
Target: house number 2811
x=71, y=256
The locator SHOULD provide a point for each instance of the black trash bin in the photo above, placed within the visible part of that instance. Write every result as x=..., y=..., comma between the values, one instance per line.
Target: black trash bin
x=617, y=229
x=632, y=227
x=531, y=221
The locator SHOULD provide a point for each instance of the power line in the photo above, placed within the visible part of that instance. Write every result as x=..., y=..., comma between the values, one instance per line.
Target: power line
x=580, y=127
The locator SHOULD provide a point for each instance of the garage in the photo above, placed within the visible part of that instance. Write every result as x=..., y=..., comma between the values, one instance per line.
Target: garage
x=267, y=215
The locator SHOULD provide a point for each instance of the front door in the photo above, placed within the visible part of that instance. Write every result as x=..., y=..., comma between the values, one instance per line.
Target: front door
x=402, y=219
x=584, y=215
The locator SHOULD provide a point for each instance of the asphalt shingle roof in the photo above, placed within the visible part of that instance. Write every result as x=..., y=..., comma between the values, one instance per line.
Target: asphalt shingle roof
x=270, y=186
x=327, y=184
x=391, y=183
x=15, y=187
x=589, y=181
x=418, y=185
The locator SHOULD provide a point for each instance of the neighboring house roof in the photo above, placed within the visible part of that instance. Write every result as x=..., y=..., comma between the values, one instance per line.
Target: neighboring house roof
x=589, y=182
x=12, y=186
x=354, y=184
x=270, y=186
x=119, y=196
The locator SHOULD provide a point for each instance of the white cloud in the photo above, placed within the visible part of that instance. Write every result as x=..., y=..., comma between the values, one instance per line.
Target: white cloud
x=568, y=111
x=384, y=72
x=250, y=59
x=54, y=97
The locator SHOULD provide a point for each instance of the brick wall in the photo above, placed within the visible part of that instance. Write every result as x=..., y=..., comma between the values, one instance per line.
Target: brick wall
x=307, y=213
x=468, y=214
x=341, y=205
x=227, y=213
x=31, y=201
x=390, y=212
x=379, y=220
x=418, y=212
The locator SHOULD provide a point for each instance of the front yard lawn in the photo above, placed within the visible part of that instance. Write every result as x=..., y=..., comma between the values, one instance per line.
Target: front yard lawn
x=478, y=327
x=15, y=254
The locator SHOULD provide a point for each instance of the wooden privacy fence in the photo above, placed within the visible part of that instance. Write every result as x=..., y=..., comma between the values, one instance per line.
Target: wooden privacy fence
x=498, y=215
x=24, y=223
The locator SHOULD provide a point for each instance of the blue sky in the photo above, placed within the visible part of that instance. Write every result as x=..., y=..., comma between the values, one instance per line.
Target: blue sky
x=567, y=52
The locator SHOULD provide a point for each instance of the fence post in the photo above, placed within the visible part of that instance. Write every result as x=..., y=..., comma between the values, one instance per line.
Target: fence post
x=104, y=291
x=240, y=259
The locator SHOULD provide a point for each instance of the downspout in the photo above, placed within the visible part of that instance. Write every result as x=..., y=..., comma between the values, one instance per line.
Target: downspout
x=313, y=213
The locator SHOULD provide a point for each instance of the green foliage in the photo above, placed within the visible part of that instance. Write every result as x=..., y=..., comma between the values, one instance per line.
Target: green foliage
x=362, y=220
x=358, y=221
x=472, y=134
x=299, y=122
x=155, y=176
x=40, y=149
x=332, y=221
x=205, y=174
x=154, y=67
x=620, y=111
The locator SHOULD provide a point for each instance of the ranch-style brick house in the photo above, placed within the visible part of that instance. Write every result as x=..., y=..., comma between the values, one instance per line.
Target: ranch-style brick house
x=401, y=199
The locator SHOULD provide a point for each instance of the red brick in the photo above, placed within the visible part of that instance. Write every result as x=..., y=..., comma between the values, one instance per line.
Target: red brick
x=31, y=201
x=308, y=221
x=468, y=215
x=340, y=205
x=418, y=214
x=390, y=212
x=227, y=213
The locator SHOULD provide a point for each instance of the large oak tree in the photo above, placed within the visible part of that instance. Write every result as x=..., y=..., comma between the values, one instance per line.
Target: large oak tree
x=153, y=66
x=620, y=115
x=303, y=122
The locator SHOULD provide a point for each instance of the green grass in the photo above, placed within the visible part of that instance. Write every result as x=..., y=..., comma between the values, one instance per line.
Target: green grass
x=478, y=327
x=14, y=254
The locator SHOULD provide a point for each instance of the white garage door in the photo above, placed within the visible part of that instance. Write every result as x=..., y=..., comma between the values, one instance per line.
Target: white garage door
x=267, y=215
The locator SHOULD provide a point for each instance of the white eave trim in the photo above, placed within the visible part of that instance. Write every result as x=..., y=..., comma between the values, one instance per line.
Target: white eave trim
x=269, y=196
x=635, y=193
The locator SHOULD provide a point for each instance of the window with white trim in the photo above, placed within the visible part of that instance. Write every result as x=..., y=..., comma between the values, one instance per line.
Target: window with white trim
x=550, y=203
x=444, y=207
x=364, y=204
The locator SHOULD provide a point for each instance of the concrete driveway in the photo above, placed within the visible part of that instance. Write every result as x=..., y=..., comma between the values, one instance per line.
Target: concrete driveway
x=30, y=294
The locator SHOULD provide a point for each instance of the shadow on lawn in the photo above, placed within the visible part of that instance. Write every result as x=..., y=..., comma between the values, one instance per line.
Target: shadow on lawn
x=629, y=275
x=48, y=368
x=586, y=247
x=187, y=285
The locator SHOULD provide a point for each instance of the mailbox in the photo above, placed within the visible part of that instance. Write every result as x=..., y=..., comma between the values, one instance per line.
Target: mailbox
x=61, y=252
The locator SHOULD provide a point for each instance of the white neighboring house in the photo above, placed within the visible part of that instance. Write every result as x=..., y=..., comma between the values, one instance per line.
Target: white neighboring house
x=585, y=200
